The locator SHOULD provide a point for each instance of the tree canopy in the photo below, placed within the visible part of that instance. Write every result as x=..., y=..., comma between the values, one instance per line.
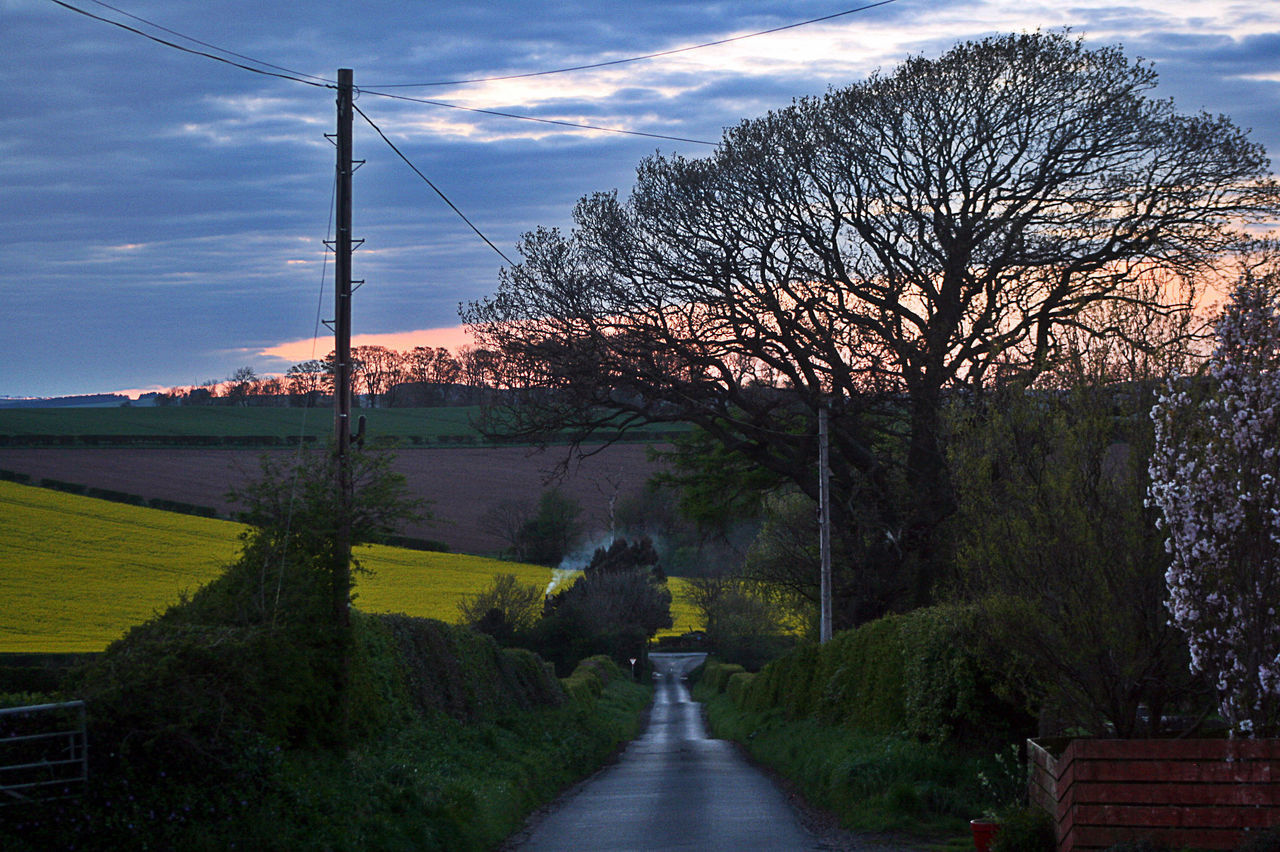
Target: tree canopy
x=931, y=228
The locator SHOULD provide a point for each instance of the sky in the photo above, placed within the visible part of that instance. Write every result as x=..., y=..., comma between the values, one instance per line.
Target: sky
x=164, y=214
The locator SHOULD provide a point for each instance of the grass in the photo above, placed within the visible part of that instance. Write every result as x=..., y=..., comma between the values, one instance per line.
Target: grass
x=75, y=572
x=871, y=782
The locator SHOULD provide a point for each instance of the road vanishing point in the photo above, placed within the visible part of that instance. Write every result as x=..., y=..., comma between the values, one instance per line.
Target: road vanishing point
x=673, y=788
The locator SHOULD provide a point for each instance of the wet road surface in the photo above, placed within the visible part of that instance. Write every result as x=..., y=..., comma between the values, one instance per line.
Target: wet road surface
x=673, y=789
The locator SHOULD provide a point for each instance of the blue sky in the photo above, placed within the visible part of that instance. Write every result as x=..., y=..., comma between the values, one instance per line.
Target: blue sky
x=164, y=214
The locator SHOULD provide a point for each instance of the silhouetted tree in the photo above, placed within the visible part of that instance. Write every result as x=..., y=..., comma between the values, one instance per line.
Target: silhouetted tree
x=874, y=249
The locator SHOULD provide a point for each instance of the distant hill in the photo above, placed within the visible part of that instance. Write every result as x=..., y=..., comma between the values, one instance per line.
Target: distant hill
x=91, y=400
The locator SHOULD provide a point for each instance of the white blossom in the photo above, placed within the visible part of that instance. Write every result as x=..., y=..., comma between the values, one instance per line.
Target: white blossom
x=1215, y=476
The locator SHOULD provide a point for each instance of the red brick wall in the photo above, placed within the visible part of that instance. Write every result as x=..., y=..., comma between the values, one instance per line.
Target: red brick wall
x=1202, y=794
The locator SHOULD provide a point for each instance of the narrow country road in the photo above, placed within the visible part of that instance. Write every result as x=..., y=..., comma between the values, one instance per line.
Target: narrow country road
x=673, y=789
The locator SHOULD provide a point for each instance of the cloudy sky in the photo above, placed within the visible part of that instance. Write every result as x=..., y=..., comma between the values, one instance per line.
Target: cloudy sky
x=164, y=214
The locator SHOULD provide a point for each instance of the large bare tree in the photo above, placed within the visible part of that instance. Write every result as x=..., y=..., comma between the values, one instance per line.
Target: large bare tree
x=872, y=249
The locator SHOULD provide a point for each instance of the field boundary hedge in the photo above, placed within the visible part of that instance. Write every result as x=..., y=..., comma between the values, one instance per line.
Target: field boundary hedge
x=113, y=496
x=204, y=738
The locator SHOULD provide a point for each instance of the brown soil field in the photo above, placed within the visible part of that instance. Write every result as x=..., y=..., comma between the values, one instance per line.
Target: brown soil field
x=461, y=483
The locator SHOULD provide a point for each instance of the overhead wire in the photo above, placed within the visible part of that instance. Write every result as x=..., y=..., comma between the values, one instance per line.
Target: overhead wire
x=321, y=82
x=435, y=188
x=642, y=57
x=194, y=40
x=555, y=121
x=288, y=74
x=296, y=473
x=194, y=52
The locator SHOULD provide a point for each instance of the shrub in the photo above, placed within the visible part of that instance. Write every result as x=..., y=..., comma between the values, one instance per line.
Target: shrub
x=715, y=675
x=869, y=781
x=918, y=674
x=454, y=670
x=518, y=606
x=739, y=683
x=1025, y=830
x=584, y=685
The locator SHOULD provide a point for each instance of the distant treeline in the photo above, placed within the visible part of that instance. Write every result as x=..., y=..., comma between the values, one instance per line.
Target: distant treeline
x=381, y=378
x=82, y=401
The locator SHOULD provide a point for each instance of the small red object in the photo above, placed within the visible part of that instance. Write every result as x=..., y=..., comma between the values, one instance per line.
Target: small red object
x=984, y=830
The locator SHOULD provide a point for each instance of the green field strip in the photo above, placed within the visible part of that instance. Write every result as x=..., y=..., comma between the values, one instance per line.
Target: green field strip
x=230, y=421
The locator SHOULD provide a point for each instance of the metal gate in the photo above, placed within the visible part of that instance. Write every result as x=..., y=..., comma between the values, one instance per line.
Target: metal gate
x=44, y=751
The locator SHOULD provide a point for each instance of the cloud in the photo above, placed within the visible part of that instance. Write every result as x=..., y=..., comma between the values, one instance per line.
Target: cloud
x=172, y=208
x=452, y=338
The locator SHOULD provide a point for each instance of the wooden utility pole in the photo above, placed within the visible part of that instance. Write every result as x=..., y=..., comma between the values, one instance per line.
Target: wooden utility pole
x=824, y=521
x=342, y=354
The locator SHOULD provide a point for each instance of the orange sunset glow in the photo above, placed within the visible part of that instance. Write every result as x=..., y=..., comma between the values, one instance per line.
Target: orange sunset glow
x=452, y=338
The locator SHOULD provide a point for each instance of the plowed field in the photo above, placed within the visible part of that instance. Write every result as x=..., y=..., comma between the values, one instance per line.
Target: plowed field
x=462, y=483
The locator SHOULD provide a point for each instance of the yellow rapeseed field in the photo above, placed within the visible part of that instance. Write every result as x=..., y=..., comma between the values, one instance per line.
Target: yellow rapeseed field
x=76, y=573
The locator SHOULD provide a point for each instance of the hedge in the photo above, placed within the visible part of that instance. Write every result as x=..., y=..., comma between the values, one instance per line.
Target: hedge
x=918, y=675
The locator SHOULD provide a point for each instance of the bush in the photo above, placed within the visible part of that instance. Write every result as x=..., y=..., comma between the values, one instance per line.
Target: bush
x=1025, y=830
x=919, y=674
x=590, y=678
x=416, y=779
x=518, y=606
x=739, y=683
x=457, y=671
x=715, y=675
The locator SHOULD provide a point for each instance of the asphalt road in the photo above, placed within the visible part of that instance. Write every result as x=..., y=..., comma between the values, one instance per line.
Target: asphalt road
x=672, y=789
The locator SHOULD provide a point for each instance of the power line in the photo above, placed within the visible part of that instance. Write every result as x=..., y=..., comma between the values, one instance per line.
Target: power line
x=166, y=43
x=554, y=121
x=193, y=40
x=435, y=188
x=655, y=55
x=320, y=82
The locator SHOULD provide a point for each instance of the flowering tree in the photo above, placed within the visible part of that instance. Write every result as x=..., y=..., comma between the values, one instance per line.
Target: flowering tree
x=1215, y=476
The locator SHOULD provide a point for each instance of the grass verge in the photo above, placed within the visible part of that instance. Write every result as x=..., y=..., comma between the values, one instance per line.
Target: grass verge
x=871, y=782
